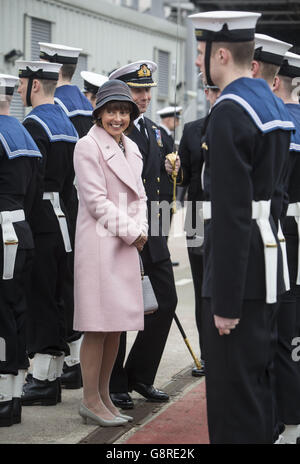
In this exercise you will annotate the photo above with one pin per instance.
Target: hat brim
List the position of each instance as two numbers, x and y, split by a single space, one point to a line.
133 84
117 98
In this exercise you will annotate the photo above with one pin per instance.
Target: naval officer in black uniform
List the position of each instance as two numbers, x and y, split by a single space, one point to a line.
287 367
169 120
19 159
79 109
191 159
143 360
245 149
55 136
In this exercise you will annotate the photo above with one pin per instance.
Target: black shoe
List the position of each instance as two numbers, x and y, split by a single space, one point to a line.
6 413
40 392
17 410
122 400
196 372
71 378
150 392
29 378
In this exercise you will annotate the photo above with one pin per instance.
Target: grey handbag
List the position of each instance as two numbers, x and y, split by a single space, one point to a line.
150 301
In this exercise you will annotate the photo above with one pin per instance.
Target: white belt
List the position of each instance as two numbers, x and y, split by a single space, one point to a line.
261 213
10 240
294 210
282 242
54 198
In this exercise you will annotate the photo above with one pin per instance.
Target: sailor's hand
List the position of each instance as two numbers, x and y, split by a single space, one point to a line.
225 325
169 167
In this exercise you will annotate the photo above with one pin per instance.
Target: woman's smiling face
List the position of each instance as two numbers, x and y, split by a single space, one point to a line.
115 119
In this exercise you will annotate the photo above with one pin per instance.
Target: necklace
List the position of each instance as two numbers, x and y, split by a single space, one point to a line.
122 146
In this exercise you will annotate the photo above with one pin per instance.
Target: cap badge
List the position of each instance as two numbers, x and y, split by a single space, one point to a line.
144 71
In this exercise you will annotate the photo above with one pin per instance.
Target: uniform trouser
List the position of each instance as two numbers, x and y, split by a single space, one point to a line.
145 355
239 376
287 368
13 310
196 263
46 332
68 287
67 301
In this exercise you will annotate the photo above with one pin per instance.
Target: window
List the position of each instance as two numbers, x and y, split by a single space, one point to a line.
40 32
163 74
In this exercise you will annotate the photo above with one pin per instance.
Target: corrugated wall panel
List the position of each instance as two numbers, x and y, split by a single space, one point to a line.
107 43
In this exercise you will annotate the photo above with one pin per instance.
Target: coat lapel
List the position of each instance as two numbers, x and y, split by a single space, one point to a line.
115 158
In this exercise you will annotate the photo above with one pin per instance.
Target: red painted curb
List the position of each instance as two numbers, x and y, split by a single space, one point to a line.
183 422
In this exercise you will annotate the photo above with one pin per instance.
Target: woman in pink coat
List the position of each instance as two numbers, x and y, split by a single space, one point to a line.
111 229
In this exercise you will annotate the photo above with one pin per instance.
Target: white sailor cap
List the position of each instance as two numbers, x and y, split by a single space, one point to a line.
92 81
7 84
225 26
137 74
270 50
38 69
290 66
170 111
59 53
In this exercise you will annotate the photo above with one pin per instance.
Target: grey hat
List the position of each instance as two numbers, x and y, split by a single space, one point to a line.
114 90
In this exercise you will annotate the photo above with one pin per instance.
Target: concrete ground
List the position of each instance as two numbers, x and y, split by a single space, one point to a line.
62 424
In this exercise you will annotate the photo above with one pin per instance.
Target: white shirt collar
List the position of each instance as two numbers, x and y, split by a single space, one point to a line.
168 131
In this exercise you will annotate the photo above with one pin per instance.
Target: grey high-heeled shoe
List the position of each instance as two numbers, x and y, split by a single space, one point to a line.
86 414
124 416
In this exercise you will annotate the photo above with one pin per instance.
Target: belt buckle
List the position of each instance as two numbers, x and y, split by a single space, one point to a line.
11 242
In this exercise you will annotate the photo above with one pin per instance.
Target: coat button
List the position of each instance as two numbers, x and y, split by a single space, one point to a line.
158 179
157 191
144 181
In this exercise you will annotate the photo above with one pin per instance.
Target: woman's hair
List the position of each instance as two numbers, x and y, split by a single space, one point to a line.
114 106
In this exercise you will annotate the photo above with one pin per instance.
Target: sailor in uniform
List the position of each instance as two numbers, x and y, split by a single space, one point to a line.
76 106
286 366
169 120
245 148
92 81
143 360
268 57
19 160
55 136
79 109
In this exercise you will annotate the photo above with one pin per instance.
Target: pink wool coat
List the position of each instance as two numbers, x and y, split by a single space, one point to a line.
112 214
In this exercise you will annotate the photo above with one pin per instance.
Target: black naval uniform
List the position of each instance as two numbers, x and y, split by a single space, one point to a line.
46 320
18 172
19 159
244 164
145 355
286 368
166 184
191 158
79 110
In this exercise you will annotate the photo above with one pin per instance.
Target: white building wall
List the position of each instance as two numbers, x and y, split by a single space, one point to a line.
110 36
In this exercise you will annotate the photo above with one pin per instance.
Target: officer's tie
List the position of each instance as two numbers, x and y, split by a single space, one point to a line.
141 123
